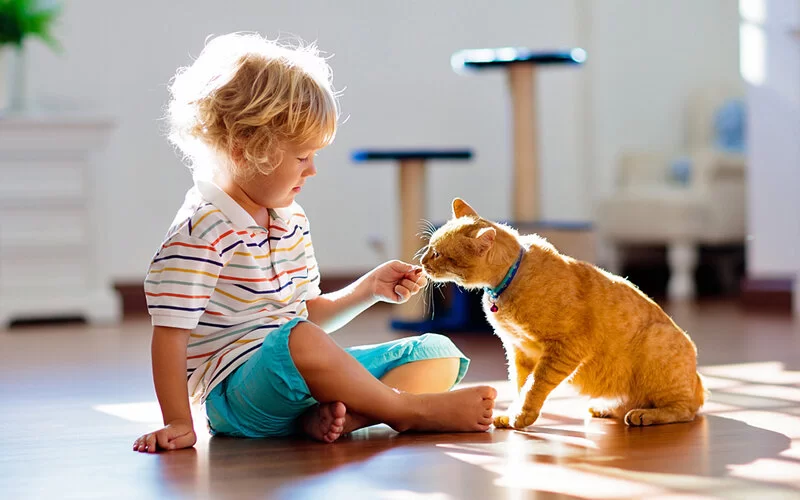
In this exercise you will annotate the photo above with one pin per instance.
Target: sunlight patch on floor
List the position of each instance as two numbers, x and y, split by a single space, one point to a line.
515 473
766 469
789 394
412 495
770 372
144 412
793 451
788 425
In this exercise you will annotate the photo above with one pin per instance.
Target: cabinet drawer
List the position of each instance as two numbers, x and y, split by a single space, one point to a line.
47 272
43 228
23 182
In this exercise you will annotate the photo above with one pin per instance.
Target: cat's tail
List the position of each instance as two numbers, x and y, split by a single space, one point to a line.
700 391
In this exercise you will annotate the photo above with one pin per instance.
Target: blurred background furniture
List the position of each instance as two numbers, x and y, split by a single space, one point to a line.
413 209
679 200
521 66
52 249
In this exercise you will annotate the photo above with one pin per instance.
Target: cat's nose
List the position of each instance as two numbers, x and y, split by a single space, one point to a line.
425 257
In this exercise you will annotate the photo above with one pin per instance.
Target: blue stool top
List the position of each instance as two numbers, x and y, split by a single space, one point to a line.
365 155
488 58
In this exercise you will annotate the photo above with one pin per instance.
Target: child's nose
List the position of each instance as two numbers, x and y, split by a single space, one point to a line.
311 169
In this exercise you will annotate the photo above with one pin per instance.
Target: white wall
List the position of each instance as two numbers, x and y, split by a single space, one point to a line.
393 59
774 157
647 57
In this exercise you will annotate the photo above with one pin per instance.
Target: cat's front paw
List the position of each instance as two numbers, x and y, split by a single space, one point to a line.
515 420
523 420
501 421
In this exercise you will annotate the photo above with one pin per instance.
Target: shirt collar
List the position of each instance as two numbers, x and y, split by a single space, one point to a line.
282 214
220 199
232 210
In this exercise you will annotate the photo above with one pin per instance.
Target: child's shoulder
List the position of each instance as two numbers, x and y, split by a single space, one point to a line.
198 219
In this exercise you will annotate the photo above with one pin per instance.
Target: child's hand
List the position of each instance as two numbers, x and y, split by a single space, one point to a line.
176 435
395 281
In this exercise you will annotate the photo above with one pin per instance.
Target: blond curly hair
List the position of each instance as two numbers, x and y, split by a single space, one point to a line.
245 98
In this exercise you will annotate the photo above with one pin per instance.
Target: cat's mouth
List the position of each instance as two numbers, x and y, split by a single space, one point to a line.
442 277
431 274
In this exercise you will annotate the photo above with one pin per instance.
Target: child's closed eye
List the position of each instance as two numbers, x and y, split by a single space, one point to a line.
306 158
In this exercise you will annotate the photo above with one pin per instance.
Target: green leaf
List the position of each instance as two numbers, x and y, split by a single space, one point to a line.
21 19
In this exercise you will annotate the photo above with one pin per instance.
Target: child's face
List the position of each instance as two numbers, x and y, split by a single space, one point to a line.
279 188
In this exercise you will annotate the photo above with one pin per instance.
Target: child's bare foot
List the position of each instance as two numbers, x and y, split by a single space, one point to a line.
327 422
464 410
324 422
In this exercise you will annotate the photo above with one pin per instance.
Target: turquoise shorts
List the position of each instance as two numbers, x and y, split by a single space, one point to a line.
265 396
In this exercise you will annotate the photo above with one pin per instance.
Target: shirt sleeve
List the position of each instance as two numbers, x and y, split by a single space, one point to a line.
181 278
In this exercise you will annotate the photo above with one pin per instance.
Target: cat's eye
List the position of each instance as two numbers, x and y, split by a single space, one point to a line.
435 254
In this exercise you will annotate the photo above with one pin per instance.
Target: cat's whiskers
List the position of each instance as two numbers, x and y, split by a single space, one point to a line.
429 228
420 253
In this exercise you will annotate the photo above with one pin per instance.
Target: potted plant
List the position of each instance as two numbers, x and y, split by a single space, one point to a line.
20 20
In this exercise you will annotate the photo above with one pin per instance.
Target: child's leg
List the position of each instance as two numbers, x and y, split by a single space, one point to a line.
333 375
328 421
424 376
425 364
268 394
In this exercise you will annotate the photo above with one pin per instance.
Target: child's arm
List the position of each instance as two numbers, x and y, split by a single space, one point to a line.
169 376
394 282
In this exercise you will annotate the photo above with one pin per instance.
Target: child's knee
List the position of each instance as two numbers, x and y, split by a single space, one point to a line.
307 344
436 341
436 346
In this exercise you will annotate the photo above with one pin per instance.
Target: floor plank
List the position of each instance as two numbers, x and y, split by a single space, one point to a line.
74 398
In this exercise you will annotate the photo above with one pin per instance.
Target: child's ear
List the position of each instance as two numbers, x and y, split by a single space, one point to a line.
485 239
462 209
237 154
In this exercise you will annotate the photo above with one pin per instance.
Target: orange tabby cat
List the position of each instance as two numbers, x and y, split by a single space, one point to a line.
560 318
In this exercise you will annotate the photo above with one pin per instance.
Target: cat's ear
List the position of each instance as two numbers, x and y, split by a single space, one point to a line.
485 239
462 209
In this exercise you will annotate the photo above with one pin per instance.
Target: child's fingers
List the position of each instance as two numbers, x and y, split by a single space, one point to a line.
403 293
184 441
163 437
141 443
414 274
150 443
411 286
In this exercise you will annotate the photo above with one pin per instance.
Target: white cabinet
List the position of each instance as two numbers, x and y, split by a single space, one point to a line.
53 246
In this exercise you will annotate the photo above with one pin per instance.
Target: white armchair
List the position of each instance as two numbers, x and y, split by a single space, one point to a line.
656 202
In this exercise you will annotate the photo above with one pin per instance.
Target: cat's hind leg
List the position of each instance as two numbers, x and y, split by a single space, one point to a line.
607 409
665 385
600 412
661 415
664 406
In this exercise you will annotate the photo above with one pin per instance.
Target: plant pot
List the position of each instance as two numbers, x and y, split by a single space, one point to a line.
13 96
5 76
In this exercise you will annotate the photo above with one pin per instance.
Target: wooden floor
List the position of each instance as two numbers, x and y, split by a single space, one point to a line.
74 398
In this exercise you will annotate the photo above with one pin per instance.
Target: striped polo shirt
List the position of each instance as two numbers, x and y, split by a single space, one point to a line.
229 280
